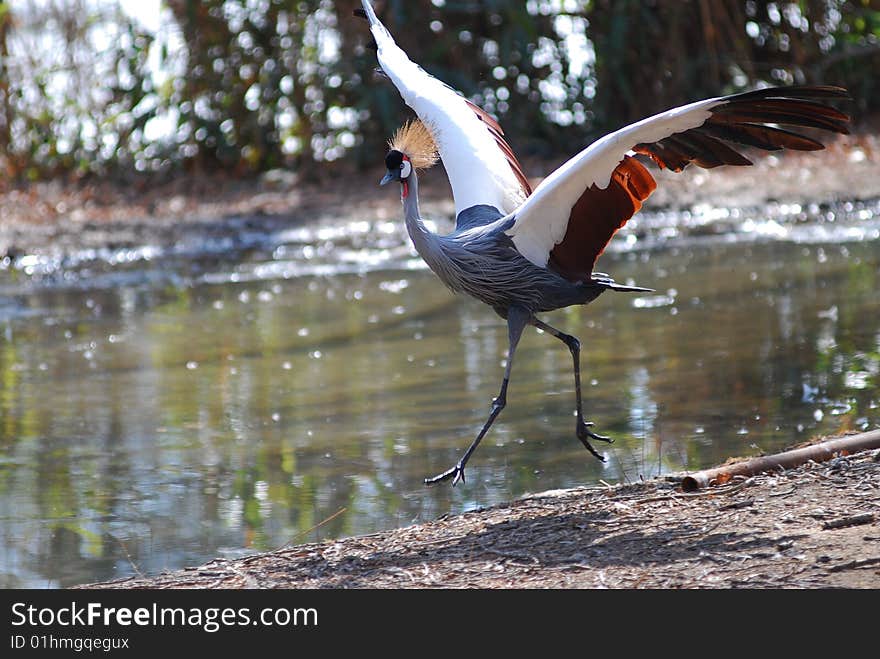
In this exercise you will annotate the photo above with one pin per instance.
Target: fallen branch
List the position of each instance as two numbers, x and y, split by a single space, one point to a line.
786 460
852 520
745 503
854 565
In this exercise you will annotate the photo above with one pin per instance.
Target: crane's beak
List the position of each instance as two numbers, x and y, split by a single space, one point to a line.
389 176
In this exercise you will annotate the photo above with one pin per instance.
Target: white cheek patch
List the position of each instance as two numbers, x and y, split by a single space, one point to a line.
405 169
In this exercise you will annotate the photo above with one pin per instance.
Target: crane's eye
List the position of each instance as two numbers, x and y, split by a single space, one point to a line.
405 169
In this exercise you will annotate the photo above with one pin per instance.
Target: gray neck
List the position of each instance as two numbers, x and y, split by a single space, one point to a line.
421 237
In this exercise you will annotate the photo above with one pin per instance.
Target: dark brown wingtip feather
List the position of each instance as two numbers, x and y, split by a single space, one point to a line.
665 155
736 114
768 138
485 117
796 91
744 118
707 151
498 134
800 106
805 107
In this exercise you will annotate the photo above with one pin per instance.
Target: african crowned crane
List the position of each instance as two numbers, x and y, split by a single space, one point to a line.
524 251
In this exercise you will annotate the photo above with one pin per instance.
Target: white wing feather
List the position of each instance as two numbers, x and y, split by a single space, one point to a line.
478 171
542 220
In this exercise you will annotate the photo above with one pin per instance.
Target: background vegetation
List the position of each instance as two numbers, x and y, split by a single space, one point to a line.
249 85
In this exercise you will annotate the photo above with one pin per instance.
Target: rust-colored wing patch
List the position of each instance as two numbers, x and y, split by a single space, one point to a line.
597 216
495 128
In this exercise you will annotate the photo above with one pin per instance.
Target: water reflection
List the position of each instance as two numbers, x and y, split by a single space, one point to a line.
154 417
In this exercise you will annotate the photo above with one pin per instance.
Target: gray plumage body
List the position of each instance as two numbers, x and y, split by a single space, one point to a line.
480 259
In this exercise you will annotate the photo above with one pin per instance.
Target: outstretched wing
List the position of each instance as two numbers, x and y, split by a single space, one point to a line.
573 213
481 166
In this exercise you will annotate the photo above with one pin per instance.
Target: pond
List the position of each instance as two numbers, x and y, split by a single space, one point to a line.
161 407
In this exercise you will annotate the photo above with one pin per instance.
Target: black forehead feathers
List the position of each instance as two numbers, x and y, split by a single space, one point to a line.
394 159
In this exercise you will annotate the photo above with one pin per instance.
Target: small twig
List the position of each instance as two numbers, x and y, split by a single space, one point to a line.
443 541
519 556
739 504
852 520
250 580
399 570
307 531
678 496
704 531
854 565
128 556
718 491
662 497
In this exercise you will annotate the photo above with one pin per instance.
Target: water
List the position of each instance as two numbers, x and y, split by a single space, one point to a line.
160 406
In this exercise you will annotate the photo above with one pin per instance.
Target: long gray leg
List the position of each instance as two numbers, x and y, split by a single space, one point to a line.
517 319
583 428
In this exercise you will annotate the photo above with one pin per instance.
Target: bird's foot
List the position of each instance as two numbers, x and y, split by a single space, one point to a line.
585 434
456 474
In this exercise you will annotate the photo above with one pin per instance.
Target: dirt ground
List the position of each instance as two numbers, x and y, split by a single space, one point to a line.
816 526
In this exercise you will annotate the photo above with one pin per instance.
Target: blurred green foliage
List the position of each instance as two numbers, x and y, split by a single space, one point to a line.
246 85
73 78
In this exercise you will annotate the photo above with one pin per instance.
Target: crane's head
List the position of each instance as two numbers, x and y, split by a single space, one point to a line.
411 148
399 167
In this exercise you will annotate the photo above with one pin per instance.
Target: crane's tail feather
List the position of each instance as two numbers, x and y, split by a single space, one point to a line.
604 280
614 286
